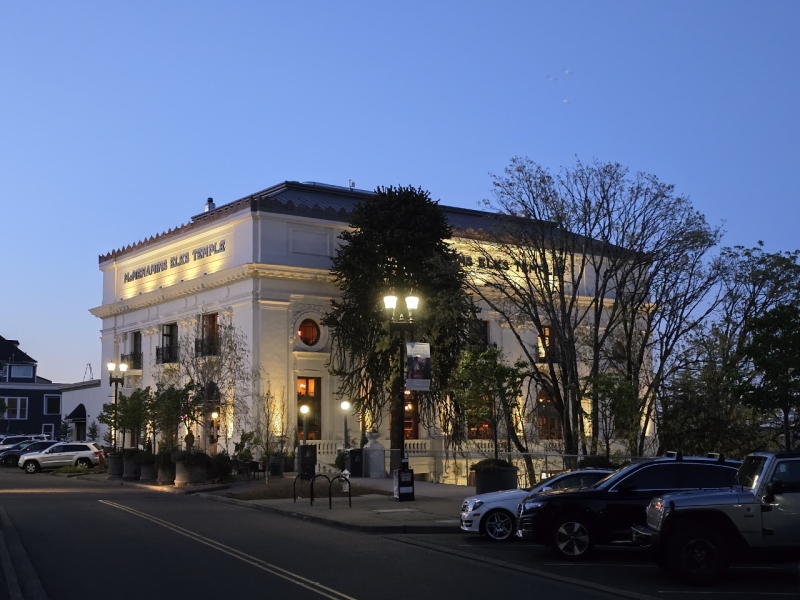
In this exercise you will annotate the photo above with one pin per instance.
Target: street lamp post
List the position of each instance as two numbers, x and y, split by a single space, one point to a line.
399 320
304 410
116 376
345 408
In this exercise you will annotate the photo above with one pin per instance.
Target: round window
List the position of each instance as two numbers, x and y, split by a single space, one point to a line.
309 332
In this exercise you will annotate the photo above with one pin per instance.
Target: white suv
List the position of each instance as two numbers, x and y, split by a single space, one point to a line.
10 440
65 454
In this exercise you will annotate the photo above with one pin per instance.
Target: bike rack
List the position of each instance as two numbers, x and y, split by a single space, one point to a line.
312 485
302 477
349 491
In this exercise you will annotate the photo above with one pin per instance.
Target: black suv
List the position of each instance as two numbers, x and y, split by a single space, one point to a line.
573 521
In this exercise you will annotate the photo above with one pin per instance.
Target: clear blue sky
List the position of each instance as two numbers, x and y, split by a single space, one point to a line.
120 119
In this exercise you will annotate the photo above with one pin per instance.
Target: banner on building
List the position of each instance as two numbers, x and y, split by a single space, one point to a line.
418 367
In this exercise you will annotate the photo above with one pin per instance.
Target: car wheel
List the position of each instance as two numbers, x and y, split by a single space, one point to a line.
31 466
84 462
572 538
698 556
498 525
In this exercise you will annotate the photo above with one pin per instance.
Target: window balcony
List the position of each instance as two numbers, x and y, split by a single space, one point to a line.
134 361
166 355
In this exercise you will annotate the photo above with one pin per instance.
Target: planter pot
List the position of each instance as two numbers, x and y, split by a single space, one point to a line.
115 465
288 464
185 475
276 466
495 480
166 476
148 472
130 470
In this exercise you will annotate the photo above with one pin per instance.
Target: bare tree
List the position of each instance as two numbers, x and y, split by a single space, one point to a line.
213 357
270 419
578 257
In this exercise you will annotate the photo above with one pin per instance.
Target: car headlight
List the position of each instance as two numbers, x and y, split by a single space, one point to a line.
477 505
533 504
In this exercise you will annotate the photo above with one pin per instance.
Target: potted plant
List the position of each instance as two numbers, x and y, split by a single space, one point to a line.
148 471
493 475
191 466
165 466
131 468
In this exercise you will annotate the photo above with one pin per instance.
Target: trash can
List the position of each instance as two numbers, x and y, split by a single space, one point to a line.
404 482
354 462
308 460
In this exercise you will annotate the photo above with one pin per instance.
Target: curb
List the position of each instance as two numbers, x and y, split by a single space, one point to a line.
377 529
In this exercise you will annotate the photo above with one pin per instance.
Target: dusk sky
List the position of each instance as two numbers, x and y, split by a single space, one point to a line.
120 119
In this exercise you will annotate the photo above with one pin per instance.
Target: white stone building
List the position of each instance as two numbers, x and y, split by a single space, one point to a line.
264 261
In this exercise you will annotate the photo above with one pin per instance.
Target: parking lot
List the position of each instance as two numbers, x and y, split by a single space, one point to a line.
621 568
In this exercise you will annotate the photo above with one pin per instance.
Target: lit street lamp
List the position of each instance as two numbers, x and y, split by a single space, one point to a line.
345 408
304 410
116 376
399 320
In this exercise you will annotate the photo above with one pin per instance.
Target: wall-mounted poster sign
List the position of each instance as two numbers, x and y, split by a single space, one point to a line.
418 367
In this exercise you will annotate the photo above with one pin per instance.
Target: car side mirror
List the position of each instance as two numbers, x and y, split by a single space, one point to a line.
547 488
775 488
627 487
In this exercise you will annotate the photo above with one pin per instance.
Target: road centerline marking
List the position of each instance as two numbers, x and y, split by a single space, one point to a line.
290 576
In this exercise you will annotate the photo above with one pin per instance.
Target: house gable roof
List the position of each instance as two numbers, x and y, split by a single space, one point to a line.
10 353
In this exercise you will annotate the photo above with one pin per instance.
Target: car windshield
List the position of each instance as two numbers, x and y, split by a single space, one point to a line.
21 445
750 472
614 477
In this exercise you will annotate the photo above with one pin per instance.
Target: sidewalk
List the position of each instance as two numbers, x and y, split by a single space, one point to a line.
435 509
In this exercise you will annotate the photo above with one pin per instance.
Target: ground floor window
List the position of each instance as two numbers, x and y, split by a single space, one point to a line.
50 430
308 394
411 417
548 418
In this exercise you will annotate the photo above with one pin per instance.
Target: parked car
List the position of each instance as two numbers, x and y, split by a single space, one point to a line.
696 535
494 514
10 457
63 454
573 521
10 440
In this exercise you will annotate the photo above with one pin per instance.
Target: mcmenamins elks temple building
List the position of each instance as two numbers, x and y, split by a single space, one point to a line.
261 263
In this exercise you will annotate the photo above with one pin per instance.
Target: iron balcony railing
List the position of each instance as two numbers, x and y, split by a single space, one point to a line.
166 355
134 360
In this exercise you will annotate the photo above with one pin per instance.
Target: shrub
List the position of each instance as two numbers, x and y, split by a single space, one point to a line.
192 458
164 459
340 461
145 457
220 467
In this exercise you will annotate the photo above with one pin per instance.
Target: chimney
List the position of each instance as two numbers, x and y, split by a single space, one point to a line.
210 205
352 184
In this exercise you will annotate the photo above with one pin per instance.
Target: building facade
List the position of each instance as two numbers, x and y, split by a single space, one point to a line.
32 403
261 264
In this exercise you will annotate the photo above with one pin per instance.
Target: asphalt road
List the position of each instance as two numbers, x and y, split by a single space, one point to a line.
623 568
87 540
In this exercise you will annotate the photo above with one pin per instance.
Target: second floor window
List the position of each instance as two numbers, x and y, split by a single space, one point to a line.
167 352
208 344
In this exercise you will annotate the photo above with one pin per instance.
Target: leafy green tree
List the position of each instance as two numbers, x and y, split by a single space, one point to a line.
618 411
132 412
398 241
169 405
489 390
92 432
774 349
700 405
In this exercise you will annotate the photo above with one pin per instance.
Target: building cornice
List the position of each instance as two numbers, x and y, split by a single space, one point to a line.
211 281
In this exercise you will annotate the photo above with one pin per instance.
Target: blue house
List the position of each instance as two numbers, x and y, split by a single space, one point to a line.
32 403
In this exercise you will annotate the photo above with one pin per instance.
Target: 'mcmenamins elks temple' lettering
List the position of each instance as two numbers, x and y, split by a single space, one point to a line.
175 261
